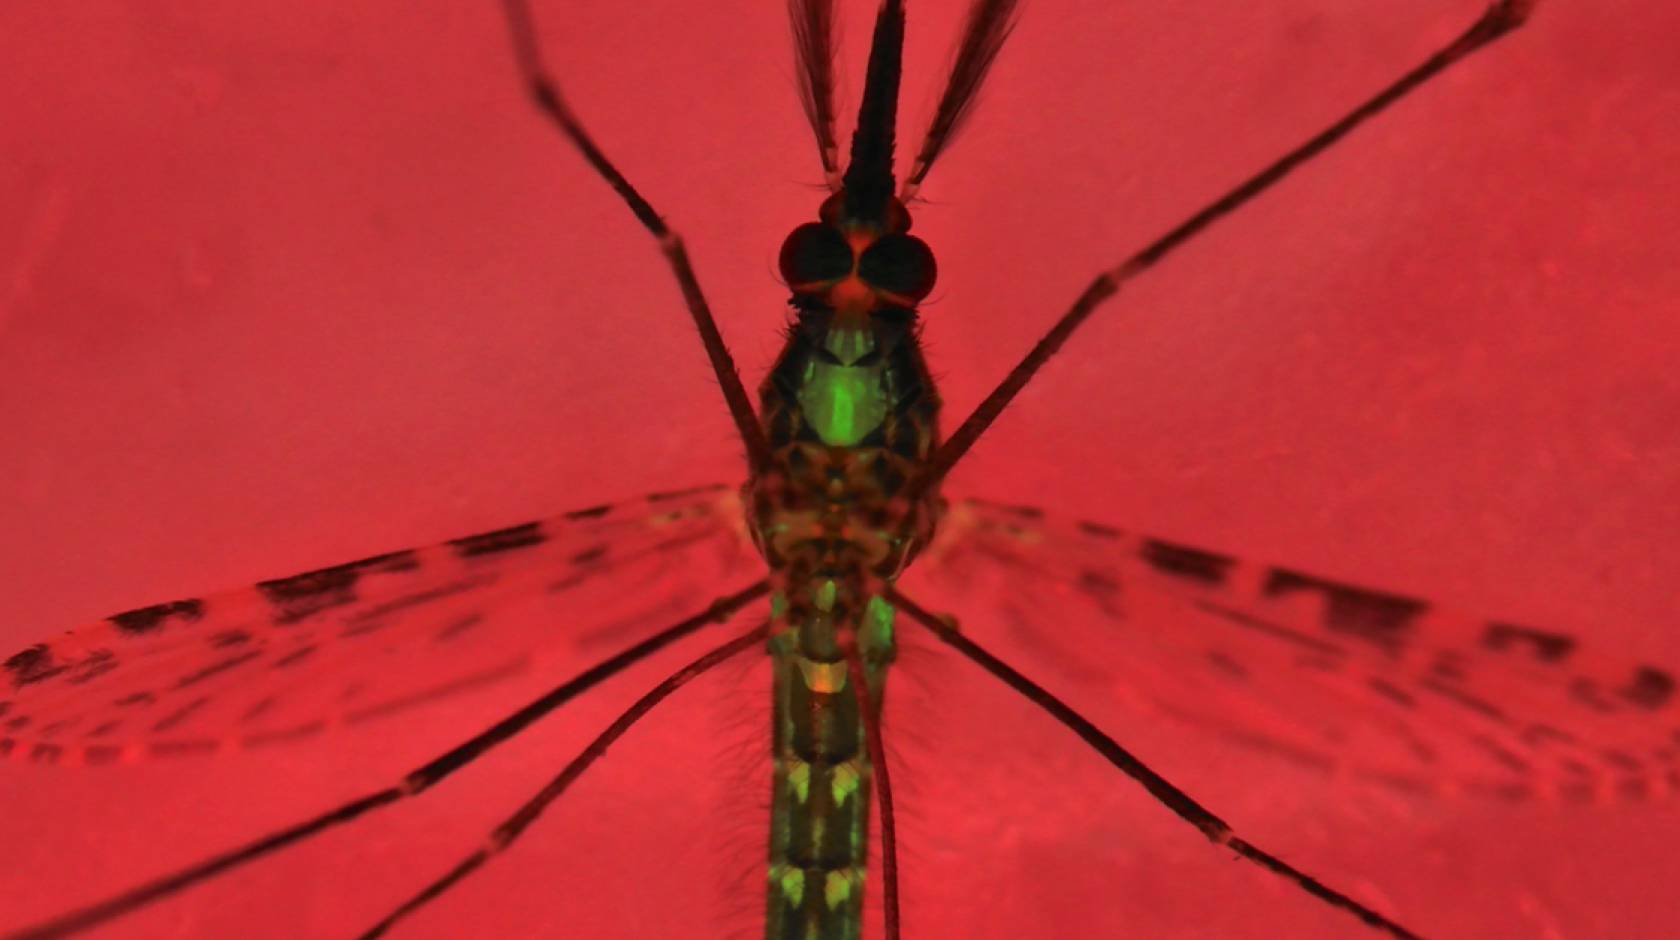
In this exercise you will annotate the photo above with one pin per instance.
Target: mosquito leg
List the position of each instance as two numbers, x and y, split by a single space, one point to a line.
1499 19
514 826
545 91
1159 787
883 786
415 783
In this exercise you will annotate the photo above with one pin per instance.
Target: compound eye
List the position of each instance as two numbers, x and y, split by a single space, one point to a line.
899 264
815 253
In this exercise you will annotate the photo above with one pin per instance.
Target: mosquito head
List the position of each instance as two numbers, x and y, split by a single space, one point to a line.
858 268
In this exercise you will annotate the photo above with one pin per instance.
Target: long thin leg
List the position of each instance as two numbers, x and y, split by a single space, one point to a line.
504 835
883 786
545 91
1498 20
1158 786
416 782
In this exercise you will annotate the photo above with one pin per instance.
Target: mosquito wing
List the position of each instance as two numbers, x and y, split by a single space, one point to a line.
1344 679
290 657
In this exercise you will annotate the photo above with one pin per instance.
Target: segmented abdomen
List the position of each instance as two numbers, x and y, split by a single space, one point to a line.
819 830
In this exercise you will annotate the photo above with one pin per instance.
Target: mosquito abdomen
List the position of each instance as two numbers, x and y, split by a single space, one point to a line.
819 828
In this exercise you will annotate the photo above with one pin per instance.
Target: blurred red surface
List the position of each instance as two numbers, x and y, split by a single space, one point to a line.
287 286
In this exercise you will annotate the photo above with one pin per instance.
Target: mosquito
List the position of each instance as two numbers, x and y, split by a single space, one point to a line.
844 466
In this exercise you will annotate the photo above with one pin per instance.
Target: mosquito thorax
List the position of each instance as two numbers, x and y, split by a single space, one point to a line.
849 409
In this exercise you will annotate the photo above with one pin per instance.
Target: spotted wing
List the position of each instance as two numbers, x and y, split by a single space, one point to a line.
288 658
1345 679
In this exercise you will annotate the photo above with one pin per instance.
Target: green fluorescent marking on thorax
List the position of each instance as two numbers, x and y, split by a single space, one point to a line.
843 403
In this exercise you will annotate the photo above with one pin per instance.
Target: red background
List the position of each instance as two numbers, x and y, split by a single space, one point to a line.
281 288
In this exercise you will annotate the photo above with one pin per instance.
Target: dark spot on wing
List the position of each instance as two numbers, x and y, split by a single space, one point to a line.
452 630
590 554
1181 561
1575 768
591 512
399 603
294 656
303 595
1271 629
1099 582
1460 697
259 708
1448 665
1383 620
32 664
92 666
1622 760
442 690
1546 647
1650 689
1502 755
100 730
229 638
46 753
1392 692
568 582
501 540
147 619
181 714
1586 692
1537 734
18 722
135 698
1099 530
216 668
1421 749
1226 665
52 728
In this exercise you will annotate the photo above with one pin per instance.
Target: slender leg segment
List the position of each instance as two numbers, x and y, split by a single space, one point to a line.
510 829
876 745
1498 20
545 92
1181 803
413 784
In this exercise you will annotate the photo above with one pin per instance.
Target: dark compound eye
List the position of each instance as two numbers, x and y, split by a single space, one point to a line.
813 253
899 264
